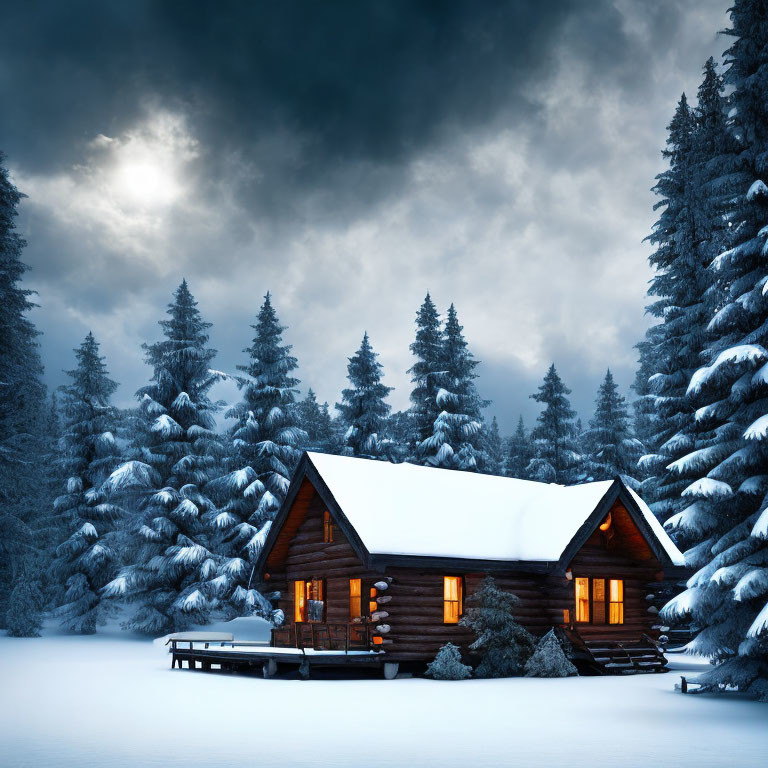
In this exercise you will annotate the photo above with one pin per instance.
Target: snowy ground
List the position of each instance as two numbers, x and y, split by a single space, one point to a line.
112 701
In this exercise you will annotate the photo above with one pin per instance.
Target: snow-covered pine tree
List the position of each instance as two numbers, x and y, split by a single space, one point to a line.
172 567
727 505
548 659
520 451
315 420
456 438
503 645
88 558
363 410
645 419
23 470
266 440
689 232
427 348
611 447
447 665
557 459
494 449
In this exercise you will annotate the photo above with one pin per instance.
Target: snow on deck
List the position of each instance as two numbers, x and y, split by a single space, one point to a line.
405 509
114 702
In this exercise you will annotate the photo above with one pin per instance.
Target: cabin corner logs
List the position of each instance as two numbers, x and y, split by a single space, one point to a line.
402 608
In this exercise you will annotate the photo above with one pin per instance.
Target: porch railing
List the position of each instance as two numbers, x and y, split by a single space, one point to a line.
324 636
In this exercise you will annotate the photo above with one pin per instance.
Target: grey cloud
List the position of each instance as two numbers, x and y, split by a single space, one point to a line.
349 157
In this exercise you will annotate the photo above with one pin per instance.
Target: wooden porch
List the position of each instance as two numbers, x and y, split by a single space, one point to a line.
325 636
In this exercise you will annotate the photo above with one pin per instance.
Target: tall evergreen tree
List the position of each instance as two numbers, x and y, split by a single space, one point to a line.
612 448
644 411
266 443
363 409
428 350
456 438
494 449
692 228
557 459
315 420
88 558
727 505
23 470
172 565
520 451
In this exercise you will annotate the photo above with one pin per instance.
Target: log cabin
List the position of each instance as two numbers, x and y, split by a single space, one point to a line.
373 555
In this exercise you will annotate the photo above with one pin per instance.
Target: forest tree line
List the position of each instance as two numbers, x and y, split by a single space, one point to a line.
160 508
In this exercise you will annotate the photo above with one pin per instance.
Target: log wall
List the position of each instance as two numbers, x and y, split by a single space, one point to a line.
415 604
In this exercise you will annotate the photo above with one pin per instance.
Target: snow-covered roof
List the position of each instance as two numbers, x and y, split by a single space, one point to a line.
405 509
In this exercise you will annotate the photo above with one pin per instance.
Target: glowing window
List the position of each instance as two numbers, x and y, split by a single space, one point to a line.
308 602
372 604
616 604
598 601
582 598
327 527
355 598
299 601
452 599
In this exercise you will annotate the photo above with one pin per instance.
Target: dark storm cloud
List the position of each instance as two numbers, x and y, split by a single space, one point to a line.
356 80
349 156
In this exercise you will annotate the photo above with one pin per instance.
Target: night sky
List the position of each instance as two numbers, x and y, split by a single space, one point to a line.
349 157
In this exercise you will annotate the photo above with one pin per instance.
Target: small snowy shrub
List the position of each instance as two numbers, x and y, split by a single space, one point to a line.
502 644
549 660
23 615
447 665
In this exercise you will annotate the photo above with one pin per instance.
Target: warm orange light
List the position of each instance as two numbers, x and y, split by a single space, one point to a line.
355 598
327 527
616 607
582 598
299 601
377 640
452 597
606 524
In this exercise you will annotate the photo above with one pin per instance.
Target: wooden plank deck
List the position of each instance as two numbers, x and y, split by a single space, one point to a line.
234 656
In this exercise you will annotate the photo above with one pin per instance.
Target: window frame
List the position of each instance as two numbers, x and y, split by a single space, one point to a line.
606 603
358 597
327 527
459 602
301 614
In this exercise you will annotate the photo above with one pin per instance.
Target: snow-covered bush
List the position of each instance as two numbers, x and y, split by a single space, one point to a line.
549 659
504 646
448 665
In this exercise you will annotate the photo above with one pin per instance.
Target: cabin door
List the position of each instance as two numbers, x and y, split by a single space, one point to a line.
309 600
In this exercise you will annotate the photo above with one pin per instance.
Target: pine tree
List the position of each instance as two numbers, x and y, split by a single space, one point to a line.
428 350
172 569
557 458
504 646
612 449
494 449
548 659
447 665
456 438
363 410
266 442
23 469
520 451
726 506
23 617
644 410
88 558
315 420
